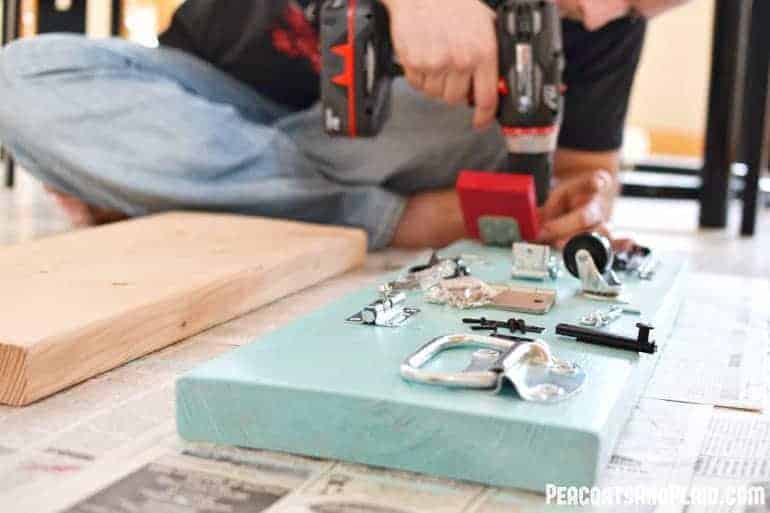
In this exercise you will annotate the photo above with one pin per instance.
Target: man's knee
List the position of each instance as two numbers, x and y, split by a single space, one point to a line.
52 55
30 70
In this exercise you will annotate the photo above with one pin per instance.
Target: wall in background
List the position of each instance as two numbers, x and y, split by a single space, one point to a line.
143 18
98 21
670 96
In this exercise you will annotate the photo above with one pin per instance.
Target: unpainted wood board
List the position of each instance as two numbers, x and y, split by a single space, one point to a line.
78 304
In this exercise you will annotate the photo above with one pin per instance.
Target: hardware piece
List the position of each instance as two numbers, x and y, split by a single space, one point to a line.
589 257
529 366
388 312
641 344
602 318
534 262
639 260
513 325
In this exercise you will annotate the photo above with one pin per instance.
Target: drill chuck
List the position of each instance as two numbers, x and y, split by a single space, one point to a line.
539 165
531 65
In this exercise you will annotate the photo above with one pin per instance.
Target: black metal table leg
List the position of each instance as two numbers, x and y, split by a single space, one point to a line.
117 17
8 166
729 43
8 32
755 110
10 171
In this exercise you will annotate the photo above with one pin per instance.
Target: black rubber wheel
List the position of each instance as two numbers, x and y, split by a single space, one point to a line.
598 246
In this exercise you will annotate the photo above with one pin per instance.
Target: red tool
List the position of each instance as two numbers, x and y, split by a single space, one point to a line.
358 69
484 194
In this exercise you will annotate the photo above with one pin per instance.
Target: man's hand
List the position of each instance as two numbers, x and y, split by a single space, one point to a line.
579 204
447 46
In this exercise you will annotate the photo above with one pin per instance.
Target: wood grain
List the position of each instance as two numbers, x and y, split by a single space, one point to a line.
81 303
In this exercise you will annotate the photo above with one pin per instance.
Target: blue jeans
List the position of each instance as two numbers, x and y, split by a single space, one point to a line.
144 130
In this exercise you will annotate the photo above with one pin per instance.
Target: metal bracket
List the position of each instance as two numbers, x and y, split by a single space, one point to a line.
388 312
533 262
594 284
529 366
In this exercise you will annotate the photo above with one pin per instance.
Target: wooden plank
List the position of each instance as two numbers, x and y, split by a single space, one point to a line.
349 402
81 303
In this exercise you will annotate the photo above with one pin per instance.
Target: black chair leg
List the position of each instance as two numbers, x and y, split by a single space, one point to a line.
9 167
10 172
755 111
117 17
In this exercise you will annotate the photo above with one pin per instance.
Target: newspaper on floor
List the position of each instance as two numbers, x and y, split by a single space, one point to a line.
205 479
202 478
117 413
658 447
109 439
732 474
733 470
361 489
717 353
656 456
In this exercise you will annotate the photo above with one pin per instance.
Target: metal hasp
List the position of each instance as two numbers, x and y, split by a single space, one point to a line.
513 325
641 344
588 257
388 312
529 366
437 269
533 262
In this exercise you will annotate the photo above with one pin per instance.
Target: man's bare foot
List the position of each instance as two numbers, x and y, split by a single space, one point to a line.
82 214
430 220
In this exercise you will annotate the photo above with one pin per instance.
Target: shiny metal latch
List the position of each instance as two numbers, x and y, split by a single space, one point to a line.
387 312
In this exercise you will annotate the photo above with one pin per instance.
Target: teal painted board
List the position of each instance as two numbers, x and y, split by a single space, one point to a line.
326 388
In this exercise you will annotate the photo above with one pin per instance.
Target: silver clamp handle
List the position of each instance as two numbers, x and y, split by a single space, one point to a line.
529 366
411 369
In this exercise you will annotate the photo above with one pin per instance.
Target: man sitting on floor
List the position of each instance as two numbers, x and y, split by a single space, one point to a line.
224 116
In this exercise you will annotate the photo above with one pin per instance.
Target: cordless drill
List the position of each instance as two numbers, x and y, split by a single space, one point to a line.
358 68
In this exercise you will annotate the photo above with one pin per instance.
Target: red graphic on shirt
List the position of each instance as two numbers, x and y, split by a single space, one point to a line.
296 37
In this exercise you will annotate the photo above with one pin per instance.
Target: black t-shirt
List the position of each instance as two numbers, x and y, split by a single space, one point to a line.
270 45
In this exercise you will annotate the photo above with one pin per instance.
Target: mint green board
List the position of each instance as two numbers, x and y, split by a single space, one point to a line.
325 388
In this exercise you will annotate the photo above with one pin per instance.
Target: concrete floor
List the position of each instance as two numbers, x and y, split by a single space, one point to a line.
673 226
27 212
